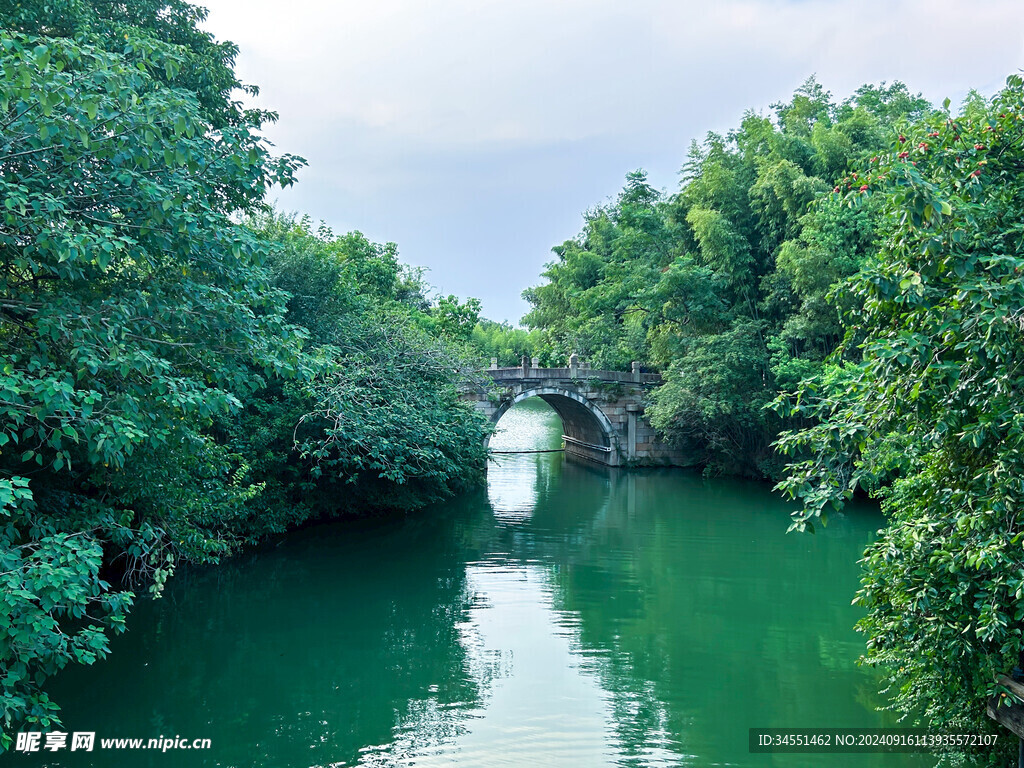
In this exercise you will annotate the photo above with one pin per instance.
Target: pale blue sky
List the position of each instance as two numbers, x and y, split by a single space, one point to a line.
474 133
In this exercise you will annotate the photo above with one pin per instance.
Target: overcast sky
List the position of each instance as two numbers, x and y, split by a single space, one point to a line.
474 133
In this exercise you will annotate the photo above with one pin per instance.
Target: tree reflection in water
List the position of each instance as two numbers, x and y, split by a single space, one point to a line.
567 615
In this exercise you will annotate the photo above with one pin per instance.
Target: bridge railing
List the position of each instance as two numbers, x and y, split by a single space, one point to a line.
579 374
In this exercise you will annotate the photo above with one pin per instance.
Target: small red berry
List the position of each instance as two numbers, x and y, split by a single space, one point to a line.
903 155
836 190
979 146
864 188
922 145
902 139
977 173
933 134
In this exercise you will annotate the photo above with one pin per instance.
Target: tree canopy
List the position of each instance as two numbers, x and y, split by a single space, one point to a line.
922 408
723 285
180 373
133 311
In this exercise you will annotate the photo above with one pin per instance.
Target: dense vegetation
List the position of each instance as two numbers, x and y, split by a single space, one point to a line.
509 345
838 287
723 285
928 415
175 383
374 419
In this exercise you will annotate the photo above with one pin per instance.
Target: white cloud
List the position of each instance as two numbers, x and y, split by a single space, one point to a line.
392 100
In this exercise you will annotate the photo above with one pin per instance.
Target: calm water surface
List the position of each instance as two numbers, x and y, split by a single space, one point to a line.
564 616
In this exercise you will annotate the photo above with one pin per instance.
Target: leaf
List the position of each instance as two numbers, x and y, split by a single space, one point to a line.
42 55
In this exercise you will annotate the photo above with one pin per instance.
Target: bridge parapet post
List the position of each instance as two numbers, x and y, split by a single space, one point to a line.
574 364
636 371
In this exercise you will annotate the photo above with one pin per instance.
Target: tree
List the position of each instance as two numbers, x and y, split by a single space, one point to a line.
722 286
132 311
594 301
175 384
928 417
375 421
508 344
457 320
205 65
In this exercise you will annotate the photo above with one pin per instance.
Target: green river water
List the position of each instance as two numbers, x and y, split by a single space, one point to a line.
566 615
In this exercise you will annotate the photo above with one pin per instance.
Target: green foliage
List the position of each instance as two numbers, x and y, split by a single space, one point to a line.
929 416
204 68
390 430
374 422
714 396
724 286
54 606
153 381
593 303
134 312
457 320
509 345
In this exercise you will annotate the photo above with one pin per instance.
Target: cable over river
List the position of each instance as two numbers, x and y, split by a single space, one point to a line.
566 615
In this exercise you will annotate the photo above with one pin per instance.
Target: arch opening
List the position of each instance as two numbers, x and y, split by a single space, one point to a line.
530 425
588 433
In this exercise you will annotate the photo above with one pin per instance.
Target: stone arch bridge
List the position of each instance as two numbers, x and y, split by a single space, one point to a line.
602 412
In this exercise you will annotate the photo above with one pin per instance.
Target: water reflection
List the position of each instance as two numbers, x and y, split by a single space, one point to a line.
568 615
313 652
541 711
516 480
697 616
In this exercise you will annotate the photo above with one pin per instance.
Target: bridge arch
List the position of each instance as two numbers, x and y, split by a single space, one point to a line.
588 430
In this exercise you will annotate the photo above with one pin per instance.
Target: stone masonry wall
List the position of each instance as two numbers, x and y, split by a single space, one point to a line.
608 404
